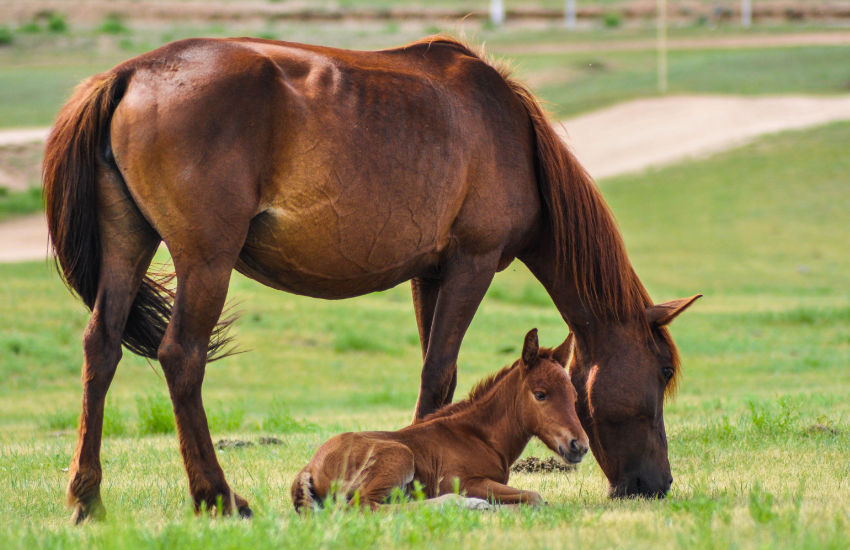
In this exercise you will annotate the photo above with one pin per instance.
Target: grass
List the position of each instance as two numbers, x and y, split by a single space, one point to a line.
15 203
576 83
759 433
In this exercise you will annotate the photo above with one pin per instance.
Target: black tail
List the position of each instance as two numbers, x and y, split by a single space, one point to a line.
72 157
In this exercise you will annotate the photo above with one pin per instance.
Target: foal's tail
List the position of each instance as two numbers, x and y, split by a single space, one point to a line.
75 151
303 494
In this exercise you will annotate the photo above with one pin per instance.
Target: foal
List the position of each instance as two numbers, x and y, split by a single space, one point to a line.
474 441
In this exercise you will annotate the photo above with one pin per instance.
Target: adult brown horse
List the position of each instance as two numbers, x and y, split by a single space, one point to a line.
472 443
334 173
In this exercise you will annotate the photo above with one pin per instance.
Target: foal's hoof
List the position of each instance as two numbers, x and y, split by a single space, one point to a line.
461 502
93 511
476 504
245 512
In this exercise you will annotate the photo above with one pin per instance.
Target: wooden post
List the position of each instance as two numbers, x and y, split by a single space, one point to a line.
662 46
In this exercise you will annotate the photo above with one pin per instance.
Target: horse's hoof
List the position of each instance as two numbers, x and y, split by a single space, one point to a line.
245 512
93 511
476 504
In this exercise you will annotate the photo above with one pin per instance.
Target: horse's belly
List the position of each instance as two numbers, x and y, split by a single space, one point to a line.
326 256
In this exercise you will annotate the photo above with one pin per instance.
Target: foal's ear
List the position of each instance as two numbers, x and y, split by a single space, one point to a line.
564 353
662 314
530 348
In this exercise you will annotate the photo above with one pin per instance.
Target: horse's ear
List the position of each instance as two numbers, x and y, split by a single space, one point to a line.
660 315
564 353
530 348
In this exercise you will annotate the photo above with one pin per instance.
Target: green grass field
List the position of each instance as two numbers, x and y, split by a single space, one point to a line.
759 433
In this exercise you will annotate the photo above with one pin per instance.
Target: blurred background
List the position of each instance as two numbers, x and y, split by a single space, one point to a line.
647 90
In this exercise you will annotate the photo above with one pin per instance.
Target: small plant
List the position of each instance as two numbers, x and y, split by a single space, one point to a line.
113 25
281 421
348 340
612 20
30 28
155 414
6 36
57 23
761 505
116 422
61 421
766 419
226 420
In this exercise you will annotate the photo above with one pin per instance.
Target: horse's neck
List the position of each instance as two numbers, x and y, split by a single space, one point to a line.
495 419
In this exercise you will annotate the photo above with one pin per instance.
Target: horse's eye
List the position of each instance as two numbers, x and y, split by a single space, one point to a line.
540 396
668 373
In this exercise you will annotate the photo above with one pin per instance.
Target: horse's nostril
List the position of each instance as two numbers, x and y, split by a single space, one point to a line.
575 447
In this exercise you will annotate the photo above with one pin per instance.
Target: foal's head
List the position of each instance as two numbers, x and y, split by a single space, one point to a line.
547 399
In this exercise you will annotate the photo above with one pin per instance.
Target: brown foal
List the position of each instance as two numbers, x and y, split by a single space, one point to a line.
469 445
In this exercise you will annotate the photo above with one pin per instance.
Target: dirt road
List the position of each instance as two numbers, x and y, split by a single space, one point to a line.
625 138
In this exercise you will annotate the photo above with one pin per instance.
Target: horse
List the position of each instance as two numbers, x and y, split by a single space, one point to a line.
467 447
333 173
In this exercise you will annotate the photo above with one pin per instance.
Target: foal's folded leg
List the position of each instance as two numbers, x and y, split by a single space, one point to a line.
391 466
499 493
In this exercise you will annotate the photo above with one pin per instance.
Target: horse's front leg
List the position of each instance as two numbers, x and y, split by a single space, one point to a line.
464 279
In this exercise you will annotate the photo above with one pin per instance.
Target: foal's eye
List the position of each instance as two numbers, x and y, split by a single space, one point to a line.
540 396
668 373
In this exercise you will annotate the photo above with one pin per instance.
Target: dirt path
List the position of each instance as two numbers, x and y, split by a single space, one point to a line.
639 134
731 42
625 138
19 136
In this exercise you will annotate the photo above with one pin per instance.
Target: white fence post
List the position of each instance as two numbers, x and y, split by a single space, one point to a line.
746 13
662 46
570 14
497 12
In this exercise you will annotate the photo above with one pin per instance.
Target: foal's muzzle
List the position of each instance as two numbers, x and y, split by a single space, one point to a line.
574 453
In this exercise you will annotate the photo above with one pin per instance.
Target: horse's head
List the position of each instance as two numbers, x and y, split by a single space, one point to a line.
621 388
547 400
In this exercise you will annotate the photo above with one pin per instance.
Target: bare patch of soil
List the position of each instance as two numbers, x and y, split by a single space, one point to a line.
20 166
232 444
534 465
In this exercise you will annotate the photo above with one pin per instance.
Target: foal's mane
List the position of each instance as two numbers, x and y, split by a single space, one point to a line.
586 238
483 388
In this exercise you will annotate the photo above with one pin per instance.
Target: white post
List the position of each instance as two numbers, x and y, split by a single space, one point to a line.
570 14
746 13
497 12
662 46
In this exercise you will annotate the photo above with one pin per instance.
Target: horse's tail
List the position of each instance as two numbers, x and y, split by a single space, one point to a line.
75 151
303 494
584 232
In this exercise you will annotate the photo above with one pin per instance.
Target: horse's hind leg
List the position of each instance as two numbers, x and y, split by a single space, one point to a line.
128 245
203 274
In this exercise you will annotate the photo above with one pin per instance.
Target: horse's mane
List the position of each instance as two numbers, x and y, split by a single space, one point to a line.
586 237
